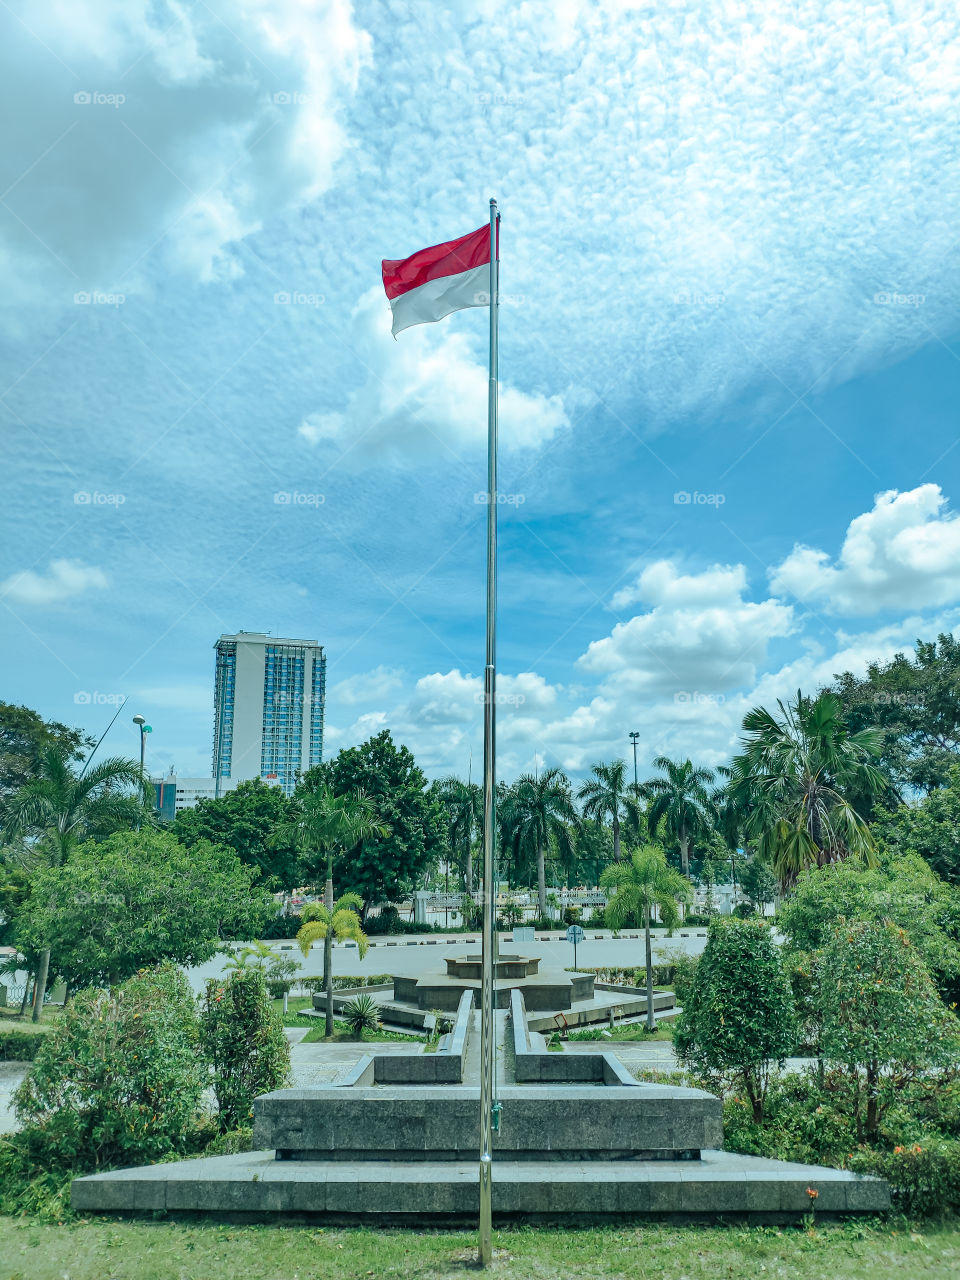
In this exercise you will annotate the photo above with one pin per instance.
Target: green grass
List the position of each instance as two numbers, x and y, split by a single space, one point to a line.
342 1032
92 1250
628 1031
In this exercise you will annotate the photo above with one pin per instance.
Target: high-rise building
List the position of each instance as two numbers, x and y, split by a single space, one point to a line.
175 792
269 700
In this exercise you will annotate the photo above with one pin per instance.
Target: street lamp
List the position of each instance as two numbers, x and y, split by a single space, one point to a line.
144 728
635 738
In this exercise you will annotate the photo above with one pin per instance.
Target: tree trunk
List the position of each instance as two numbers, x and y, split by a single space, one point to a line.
470 868
26 995
873 1102
684 854
541 881
616 838
40 990
651 1022
328 958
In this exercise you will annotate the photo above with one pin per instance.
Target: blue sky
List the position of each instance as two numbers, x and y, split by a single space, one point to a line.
729 271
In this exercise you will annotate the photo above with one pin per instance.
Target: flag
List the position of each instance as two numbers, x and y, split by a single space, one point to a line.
433 282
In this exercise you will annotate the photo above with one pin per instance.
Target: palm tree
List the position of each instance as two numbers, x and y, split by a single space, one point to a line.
463 802
603 795
327 823
59 808
794 769
534 810
341 921
682 801
641 883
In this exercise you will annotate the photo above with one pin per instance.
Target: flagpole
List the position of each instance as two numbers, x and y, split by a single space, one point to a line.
489 777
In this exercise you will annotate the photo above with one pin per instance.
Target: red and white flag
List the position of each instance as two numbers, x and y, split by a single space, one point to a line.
433 282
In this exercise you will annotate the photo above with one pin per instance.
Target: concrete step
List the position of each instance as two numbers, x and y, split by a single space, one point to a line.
255 1184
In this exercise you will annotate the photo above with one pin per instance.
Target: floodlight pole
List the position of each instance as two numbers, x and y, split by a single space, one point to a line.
485 1251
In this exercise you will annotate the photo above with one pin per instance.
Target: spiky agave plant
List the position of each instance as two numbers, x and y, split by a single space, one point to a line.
362 1013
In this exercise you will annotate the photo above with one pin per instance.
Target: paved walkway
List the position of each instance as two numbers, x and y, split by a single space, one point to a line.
11 1073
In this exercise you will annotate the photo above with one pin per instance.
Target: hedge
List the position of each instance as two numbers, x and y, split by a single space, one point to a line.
20 1046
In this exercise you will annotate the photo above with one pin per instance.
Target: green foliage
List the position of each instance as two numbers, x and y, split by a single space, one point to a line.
881 1016
24 737
593 848
535 815
680 802
342 922
119 1078
243 1038
20 1046
924 1177
799 781
738 1013
361 1014
384 868
463 805
930 828
915 701
641 883
757 883
903 890
245 820
135 899
604 795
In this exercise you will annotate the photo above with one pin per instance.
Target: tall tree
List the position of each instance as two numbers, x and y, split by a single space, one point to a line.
536 809
641 884
681 800
24 737
463 803
385 868
930 828
915 701
60 807
799 769
245 820
322 826
602 796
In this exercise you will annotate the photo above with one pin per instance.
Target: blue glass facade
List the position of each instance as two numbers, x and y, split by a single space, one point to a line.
225 692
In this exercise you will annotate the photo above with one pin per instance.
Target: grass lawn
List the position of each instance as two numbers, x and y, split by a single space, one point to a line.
294 1017
95 1250
629 1031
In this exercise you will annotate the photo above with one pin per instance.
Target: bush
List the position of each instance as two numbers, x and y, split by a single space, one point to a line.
244 1039
276 927
119 1078
924 1177
738 1013
663 975
361 1014
20 1046
231 1143
571 915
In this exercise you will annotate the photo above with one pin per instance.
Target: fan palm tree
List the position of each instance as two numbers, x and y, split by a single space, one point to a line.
681 800
602 796
463 802
640 883
57 809
323 825
534 810
794 770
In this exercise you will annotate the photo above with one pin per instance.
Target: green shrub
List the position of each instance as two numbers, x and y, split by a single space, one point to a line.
20 1046
119 1078
361 1014
231 1143
924 1177
243 1038
738 1014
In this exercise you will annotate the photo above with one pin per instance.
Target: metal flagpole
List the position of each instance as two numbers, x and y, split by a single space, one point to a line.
489 777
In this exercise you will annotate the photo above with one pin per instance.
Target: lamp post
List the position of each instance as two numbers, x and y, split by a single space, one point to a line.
144 728
635 738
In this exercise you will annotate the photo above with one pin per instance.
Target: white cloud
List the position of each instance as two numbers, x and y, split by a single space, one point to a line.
144 123
368 686
64 580
903 554
425 394
700 635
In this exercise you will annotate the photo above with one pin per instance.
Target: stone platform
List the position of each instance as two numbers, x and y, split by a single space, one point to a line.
255 1186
